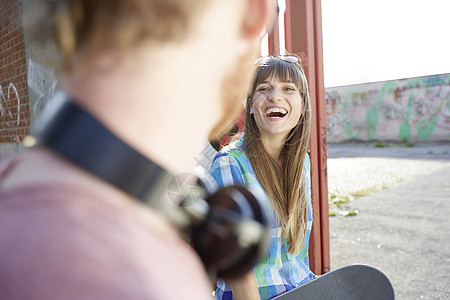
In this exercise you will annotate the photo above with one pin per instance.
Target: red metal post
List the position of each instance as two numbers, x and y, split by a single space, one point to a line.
303 35
274 40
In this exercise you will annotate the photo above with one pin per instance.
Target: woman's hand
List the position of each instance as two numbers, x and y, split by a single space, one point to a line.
245 288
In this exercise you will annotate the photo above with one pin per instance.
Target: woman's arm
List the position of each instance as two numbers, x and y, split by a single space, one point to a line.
245 288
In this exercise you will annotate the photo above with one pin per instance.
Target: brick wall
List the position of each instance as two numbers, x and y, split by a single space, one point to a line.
14 100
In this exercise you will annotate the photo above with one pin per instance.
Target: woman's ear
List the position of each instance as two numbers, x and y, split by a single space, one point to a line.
259 14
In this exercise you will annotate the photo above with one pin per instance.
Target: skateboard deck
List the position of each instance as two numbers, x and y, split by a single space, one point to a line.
353 282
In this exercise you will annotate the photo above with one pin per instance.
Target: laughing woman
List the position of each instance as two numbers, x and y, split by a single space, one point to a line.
272 156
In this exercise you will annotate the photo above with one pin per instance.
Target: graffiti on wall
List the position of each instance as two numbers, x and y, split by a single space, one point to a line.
10 110
16 114
415 109
43 83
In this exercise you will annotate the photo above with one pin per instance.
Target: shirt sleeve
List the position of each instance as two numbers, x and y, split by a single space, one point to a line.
225 171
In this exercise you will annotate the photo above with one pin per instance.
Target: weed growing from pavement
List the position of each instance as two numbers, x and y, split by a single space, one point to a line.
340 201
350 212
386 145
380 145
407 144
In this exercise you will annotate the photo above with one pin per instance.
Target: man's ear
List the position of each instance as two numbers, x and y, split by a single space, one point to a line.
259 14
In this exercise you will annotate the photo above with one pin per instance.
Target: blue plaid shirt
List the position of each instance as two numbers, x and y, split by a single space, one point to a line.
279 271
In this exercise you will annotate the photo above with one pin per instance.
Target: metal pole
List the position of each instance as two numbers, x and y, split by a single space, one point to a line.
303 35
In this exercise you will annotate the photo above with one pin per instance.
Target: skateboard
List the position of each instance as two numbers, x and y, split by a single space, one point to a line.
355 282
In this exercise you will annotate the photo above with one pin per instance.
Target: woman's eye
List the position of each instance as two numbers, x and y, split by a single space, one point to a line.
263 89
289 89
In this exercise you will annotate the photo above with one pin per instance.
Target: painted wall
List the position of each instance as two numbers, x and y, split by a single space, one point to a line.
42 65
414 109
27 79
14 108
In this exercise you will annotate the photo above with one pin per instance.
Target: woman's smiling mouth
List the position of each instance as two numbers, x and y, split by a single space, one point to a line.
276 112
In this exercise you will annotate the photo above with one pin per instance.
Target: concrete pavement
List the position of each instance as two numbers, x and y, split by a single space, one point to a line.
403 230
420 151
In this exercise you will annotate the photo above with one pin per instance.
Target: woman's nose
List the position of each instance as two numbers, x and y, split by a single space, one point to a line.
275 95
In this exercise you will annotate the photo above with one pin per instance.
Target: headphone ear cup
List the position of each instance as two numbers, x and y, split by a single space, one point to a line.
234 236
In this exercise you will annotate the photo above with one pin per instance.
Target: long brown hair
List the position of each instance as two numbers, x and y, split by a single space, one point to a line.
285 186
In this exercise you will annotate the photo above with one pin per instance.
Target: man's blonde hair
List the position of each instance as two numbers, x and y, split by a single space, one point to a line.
86 27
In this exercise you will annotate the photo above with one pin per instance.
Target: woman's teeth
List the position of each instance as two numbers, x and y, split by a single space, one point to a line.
276 112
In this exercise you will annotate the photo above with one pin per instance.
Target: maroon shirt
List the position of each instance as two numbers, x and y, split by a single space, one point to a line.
58 242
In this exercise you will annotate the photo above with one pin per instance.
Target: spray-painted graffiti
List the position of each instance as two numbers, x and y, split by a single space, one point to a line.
10 110
400 110
17 114
42 82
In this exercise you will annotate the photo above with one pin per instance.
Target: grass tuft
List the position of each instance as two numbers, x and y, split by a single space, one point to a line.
380 145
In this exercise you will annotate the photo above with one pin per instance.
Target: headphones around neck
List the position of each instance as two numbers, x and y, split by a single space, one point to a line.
228 228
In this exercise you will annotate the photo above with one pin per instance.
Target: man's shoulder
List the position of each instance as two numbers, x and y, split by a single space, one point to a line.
92 246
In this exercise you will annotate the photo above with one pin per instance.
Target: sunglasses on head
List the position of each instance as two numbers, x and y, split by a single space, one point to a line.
288 58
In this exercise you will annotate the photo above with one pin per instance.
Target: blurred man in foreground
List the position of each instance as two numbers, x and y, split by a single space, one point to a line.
162 76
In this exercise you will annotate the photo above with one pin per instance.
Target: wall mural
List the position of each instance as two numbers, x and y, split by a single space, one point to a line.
415 109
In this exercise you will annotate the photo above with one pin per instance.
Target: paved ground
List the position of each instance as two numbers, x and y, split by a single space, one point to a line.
404 230
421 151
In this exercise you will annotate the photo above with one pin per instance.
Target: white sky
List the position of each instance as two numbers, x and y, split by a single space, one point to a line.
377 40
